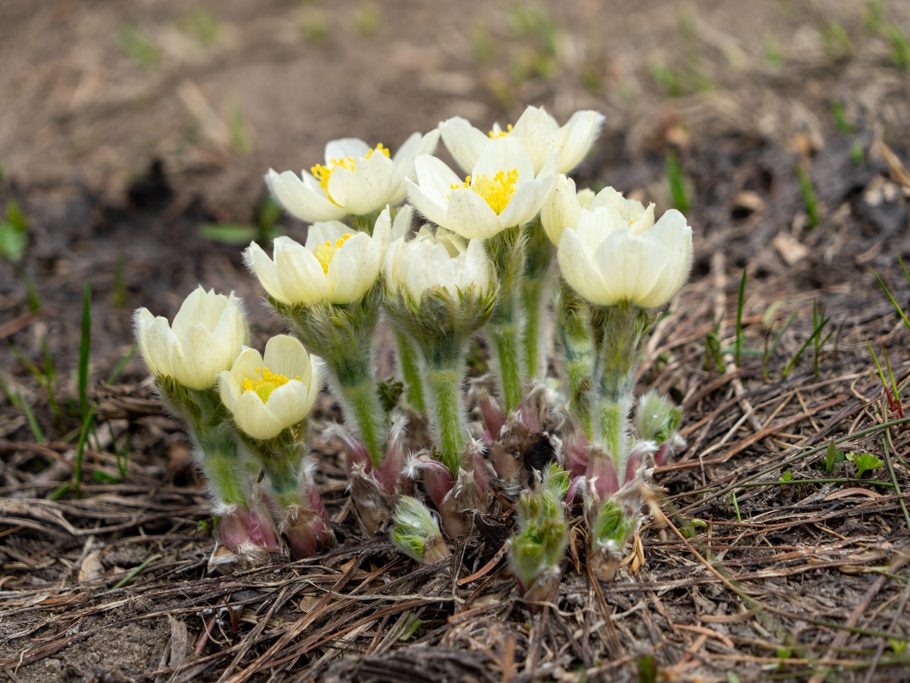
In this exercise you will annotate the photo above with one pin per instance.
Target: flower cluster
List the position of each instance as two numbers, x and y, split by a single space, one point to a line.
511 253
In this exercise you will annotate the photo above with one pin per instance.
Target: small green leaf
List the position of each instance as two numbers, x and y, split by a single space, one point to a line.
786 477
864 462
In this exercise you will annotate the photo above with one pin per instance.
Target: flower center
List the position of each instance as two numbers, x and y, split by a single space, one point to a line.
499 132
265 383
325 251
496 191
322 172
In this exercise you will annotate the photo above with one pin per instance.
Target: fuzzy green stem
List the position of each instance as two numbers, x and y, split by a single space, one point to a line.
613 418
443 383
533 298
343 334
220 459
410 371
507 354
361 399
507 255
578 352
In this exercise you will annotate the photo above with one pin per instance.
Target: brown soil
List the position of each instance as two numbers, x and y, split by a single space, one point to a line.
123 132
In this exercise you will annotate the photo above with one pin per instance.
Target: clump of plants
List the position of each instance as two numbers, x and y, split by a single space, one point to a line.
508 249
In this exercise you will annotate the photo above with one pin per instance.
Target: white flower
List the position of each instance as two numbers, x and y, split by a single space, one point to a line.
539 133
442 261
501 192
355 179
207 333
564 206
268 395
336 265
607 260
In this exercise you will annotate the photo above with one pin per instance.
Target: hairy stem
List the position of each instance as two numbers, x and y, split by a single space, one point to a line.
507 355
447 414
410 371
361 402
534 289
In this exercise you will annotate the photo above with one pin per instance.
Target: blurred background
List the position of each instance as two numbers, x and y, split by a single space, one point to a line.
218 91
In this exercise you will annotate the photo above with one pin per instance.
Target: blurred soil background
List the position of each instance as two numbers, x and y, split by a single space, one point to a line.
133 140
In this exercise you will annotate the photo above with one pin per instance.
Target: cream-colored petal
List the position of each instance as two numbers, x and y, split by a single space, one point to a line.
578 136
401 226
430 209
464 142
246 365
353 270
476 270
301 199
539 135
577 269
143 321
526 202
288 404
265 271
435 178
325 231
630 266
345 147
194 365
285 355
382 230
410 148
253 418
560 209
231 332
229 391
195 309
302 277
373 184
470 216
504 154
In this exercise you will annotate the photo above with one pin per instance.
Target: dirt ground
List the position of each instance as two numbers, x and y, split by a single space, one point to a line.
128 128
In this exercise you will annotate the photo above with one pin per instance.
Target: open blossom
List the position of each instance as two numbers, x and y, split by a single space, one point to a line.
205 337
539 133
355 179
266 395
564 206
608 259
336 265
501 192
437 262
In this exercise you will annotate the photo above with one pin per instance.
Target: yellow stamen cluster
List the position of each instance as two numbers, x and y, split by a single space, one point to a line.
322 172
265 383
325 251
496 191
500 133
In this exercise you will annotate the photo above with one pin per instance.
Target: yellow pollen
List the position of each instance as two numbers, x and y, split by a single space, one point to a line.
265 383
322 172
325 251
496 191
500 133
